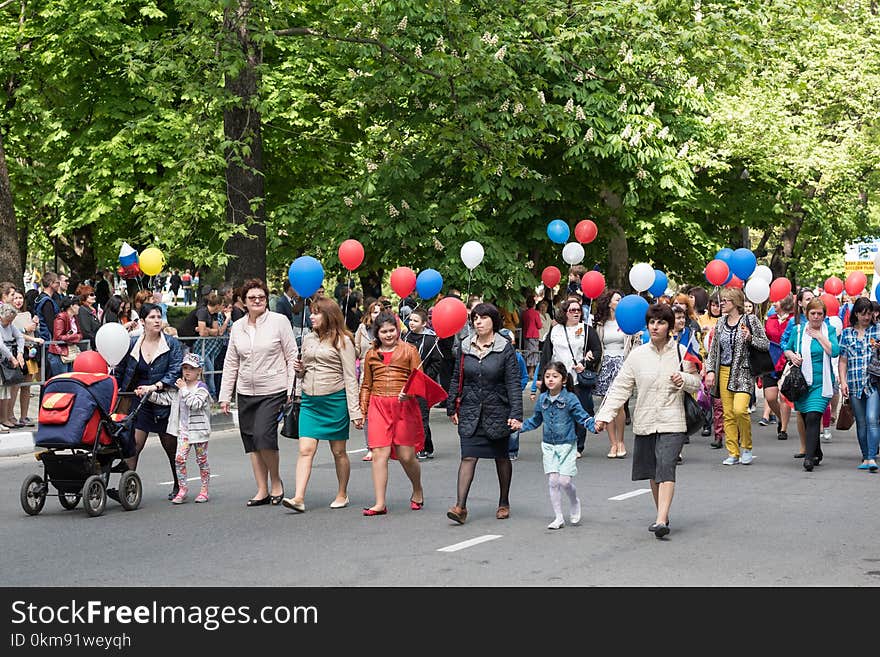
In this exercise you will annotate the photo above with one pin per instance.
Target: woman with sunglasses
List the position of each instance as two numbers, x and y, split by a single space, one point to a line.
577 346
260 366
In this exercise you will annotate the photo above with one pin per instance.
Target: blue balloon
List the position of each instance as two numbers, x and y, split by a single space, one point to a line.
743 263
558 231
429 283
725 254
630 313
306 275
661 281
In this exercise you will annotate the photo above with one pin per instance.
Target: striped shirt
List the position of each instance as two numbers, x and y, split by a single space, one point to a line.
858 354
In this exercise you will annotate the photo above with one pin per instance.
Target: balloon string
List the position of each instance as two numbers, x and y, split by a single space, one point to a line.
347 296
470 272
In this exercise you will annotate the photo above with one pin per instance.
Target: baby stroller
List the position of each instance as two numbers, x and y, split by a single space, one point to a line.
82 439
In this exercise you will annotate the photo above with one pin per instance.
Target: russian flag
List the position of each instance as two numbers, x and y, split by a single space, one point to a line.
689 339
127 255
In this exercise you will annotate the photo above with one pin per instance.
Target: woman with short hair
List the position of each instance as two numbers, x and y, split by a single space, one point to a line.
485 402
660 375
260 366
88 313
729 375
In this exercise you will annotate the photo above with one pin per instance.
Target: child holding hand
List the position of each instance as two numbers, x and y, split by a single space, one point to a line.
558 408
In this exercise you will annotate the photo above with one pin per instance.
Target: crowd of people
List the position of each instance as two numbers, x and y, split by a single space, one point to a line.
348 360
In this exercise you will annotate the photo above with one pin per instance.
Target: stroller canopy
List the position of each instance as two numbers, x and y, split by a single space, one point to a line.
71 408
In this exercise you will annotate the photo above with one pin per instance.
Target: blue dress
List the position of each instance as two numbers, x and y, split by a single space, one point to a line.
814 401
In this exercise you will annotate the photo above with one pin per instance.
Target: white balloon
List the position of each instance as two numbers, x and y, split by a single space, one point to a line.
472 254
573 253
877 262
641 276
112 342
763 271
757 290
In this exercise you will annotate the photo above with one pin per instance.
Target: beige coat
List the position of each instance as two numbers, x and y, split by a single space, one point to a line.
660 404
329 370
259 359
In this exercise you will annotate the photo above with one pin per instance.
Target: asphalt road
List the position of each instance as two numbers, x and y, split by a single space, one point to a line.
766 524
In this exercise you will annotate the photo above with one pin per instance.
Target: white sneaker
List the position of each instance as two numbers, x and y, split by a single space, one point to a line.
576 513
826 436
558 523
730 460
746 457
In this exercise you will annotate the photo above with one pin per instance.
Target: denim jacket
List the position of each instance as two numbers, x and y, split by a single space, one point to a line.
561 415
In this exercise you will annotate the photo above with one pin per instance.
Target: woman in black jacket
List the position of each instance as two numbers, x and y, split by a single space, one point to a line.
486 404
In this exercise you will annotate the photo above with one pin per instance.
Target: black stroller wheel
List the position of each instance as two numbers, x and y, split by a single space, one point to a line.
130 490
94 495
33 495
69 500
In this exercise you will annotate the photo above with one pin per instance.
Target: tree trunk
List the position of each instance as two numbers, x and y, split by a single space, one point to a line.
10 255
77 251
618 251
245 204
784 251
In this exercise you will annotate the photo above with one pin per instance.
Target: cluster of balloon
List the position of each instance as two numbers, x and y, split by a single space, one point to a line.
306 275
128 262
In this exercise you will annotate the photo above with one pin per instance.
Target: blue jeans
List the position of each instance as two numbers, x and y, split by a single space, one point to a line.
55 366
866 410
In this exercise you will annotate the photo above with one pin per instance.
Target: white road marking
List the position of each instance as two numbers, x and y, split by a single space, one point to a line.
626 496
167 483
356 451
469 543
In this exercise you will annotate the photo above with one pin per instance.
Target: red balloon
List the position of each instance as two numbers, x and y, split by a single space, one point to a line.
855 283
592 283
448 316
779 289
351 254
834 285
551 276
734 282
717 272
832 305
585 231
403 281
90 362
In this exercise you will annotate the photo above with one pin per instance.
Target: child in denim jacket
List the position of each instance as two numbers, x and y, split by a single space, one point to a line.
560 407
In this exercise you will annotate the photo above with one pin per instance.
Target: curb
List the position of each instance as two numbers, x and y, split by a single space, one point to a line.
17 443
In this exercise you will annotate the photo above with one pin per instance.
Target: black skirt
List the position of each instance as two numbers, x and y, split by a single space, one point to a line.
258 420
481 446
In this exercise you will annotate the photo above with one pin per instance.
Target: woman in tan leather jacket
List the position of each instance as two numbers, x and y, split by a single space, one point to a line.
327 382
395 422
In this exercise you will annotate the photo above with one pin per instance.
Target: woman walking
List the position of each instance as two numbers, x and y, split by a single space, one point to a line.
363 342
775 326
486 405
661 376
728 374
259 366
327 382
856 349
395 422
811 347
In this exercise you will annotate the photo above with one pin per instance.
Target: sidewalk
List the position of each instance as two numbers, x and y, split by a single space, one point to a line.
17 443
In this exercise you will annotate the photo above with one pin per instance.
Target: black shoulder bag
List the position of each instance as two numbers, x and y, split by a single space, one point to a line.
290 416
792 384
760 362
587 378
693 414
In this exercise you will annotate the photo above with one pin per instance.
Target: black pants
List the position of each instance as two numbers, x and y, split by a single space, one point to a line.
585 397
426 414
813 426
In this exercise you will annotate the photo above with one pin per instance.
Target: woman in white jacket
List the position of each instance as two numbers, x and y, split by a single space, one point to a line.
661 375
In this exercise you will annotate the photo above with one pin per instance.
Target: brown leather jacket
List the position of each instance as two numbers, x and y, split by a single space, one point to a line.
387 380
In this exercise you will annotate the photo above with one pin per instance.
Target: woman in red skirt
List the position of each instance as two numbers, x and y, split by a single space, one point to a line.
394 420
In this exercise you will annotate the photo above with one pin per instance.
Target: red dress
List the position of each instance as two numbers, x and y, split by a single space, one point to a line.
391 422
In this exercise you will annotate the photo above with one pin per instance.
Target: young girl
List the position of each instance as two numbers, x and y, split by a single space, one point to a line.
559 443
190 421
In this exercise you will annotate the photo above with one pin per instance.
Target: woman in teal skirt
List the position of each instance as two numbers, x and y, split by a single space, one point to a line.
327 382
811 347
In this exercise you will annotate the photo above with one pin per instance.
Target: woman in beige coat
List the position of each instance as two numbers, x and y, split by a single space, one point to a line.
328 385
259 366
661 375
